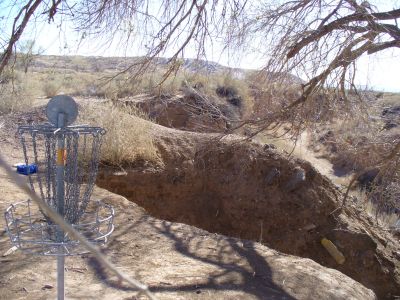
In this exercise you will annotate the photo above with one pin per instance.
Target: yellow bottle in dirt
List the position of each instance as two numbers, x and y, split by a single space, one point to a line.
333 251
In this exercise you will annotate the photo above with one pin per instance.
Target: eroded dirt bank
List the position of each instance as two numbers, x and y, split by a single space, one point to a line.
245 191
176 261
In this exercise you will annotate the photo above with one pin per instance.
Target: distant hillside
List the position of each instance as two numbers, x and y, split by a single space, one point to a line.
99 64
94 64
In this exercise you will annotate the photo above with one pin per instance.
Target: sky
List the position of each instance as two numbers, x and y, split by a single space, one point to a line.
378 72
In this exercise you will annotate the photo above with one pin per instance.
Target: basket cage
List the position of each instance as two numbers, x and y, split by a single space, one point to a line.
80 155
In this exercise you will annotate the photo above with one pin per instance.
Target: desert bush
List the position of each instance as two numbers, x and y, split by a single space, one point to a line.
270 96
198 81
236 92
357 146
81 84
14 98
9 75
155 83
72 83
128 139
51 88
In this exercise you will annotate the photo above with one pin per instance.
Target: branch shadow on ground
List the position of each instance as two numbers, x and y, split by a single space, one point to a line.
230 264
238 266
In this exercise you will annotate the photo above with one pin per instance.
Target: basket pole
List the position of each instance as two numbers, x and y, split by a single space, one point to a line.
60 205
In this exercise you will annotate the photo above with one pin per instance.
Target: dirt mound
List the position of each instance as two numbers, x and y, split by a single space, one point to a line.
176 261
241 190
189 110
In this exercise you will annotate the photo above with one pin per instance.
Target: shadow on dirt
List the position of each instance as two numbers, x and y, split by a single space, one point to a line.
235 265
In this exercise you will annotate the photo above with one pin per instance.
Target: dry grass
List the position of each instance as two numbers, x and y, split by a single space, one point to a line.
13 99
17 92
128 138
51 88
359 145
356 145
386 219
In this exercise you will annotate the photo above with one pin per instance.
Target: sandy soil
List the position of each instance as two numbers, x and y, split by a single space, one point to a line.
177 261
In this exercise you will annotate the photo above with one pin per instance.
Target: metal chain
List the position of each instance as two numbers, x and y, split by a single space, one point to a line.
81 157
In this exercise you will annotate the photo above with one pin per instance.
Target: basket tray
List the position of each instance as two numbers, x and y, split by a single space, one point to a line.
29 231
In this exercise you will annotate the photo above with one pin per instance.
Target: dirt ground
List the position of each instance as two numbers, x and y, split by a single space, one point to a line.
176 261
179 261
246 191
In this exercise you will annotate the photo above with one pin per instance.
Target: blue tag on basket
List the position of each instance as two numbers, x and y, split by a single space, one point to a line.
26 169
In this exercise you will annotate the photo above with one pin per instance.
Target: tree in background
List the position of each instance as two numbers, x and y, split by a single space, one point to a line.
318 40
26 54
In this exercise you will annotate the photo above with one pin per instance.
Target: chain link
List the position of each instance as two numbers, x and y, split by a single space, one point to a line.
81 157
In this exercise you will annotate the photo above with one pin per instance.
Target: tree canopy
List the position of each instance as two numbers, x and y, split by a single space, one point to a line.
317 40
320 40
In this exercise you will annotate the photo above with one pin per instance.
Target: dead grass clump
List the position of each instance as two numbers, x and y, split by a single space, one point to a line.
270 96
353 145
14 97
51 87
9 75
128 139
9 100
72 83
237 93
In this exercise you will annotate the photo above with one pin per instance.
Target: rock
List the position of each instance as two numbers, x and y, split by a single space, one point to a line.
367 178
269 147
297 178
47 287
389 125
391 116
391 111
309 227
271 175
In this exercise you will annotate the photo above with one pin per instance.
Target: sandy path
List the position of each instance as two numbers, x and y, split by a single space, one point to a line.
301 150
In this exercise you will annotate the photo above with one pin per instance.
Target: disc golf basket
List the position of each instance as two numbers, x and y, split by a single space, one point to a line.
66 159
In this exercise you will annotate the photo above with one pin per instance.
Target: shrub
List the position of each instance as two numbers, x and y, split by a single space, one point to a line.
128 139
14 98
51 88
236 92
9 75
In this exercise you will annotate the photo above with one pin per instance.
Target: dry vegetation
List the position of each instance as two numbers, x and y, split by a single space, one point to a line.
362 146
17 92
351 144
128 137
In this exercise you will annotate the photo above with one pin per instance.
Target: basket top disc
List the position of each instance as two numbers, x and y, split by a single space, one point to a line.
62 104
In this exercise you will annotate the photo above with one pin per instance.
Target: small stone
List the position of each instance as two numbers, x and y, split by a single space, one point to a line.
269 147
396 254
272 175
309 227
47 287
298 177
